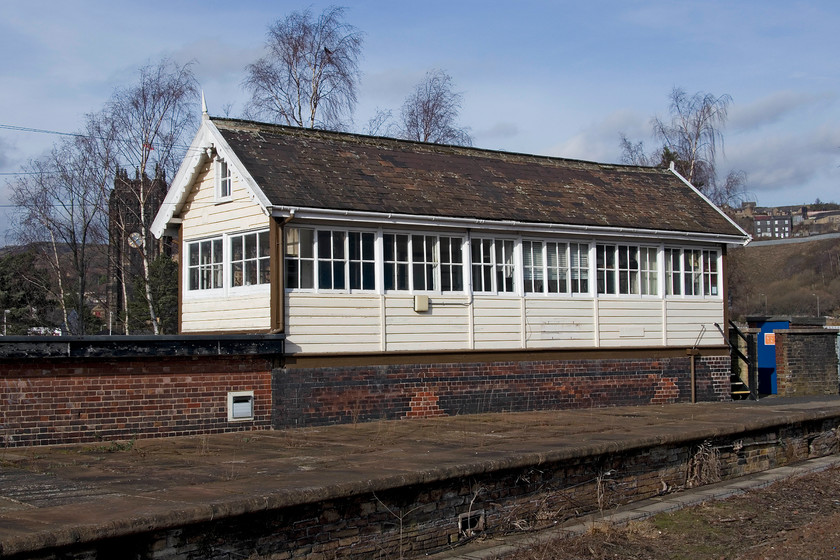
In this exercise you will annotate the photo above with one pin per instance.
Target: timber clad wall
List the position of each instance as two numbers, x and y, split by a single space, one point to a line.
200 312
326 395
333 323
806 362
86 400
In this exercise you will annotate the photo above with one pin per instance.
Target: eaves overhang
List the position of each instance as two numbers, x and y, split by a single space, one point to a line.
289 213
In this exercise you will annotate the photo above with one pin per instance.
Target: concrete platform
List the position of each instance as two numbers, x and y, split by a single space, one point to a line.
59 496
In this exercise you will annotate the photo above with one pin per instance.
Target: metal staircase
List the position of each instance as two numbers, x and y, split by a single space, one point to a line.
741 388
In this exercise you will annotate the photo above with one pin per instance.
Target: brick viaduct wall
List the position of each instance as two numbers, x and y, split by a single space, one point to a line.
88 391
806 362
107 389
91 400
311 396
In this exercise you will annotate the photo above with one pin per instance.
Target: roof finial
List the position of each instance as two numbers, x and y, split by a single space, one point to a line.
204 106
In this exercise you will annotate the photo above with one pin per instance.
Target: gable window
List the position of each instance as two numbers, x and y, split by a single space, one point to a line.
205 264
249 259
224 184
493 265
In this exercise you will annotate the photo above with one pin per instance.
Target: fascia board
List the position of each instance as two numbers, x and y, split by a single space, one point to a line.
181 185
746 236
208 136
517 227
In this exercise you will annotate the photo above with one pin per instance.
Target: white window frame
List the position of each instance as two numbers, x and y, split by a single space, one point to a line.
491 249
704 281
224 180
260 260
213 267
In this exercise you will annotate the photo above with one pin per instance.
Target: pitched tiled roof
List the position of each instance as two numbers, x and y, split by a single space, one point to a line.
328 170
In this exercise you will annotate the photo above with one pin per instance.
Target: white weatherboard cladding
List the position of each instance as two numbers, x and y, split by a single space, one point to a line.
226 314
629 322
559 323
687 319
444 327
328 323
332 323
231 310
204 217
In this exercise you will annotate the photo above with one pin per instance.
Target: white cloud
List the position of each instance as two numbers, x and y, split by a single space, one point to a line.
775 107
600 140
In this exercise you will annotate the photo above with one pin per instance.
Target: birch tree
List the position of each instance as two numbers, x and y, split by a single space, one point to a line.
430 112
60 213
151 123
309 74
691 137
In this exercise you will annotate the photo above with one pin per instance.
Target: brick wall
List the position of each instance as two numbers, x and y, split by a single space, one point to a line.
48 401
806 362
322 395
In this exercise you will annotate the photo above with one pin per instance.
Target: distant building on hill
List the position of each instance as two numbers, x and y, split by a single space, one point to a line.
779 226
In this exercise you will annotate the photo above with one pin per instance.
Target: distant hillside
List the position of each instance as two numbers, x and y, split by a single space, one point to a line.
789 277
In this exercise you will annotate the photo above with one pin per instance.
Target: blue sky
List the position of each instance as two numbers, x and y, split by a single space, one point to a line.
552 78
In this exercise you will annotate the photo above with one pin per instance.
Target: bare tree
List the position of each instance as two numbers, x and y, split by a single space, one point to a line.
694 132
151 121
308 77
430 112
691 139
59 212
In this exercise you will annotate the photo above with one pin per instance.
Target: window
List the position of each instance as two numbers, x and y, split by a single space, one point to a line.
545 267
557 264
532 266
579 254
710 273
451 264
423 263
249 259
493 265
673 272
396 261
691 272
224 185
331 260
362 260
648 273
205 264
605 263
300 258
240 405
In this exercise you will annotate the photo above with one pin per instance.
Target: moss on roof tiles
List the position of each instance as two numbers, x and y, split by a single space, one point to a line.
319 169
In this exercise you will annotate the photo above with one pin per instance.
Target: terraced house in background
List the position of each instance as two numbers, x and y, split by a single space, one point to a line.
418 279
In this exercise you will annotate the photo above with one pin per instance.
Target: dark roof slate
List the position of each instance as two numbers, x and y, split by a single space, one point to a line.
328 170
